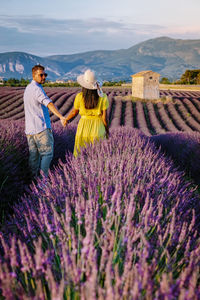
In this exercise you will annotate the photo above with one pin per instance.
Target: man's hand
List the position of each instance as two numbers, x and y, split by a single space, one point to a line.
56 112
63 121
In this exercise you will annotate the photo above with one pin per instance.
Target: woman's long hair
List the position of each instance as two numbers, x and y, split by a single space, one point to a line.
90 97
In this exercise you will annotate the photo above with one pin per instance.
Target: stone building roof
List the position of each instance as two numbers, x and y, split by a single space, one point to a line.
143 73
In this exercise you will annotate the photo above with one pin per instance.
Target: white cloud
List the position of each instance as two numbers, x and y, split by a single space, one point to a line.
45 36
39 24
183 30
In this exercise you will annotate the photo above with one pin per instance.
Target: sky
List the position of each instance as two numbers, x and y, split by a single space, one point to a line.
48 27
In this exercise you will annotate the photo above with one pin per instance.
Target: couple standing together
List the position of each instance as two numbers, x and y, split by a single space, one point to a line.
91 103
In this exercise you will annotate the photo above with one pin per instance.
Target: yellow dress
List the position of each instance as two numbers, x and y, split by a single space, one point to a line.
90 126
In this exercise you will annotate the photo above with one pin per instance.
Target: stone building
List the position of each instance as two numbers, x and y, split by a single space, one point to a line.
145 85
1 80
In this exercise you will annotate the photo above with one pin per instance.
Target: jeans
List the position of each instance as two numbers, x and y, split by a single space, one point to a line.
40 151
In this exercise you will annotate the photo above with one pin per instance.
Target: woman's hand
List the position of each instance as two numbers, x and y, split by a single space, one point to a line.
65 122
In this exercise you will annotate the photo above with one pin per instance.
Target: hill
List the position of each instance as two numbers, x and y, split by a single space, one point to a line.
167 56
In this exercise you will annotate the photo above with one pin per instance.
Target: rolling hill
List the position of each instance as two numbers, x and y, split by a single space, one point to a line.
167 56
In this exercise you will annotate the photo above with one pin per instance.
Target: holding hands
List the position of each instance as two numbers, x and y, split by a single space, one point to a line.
63 121
55 111
70 116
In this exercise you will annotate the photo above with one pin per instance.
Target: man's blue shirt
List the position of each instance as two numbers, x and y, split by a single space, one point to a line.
37 116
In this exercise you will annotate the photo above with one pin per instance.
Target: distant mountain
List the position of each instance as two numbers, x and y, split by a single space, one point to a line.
169 57
19 64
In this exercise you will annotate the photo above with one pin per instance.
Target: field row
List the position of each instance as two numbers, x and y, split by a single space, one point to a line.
180 114
119 222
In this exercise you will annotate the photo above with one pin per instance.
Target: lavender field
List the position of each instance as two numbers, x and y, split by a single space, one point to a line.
181 114
121 221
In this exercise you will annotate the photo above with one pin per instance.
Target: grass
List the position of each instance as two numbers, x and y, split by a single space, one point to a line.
164 99
184 87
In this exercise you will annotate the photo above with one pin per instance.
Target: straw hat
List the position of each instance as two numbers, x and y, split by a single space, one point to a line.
88 80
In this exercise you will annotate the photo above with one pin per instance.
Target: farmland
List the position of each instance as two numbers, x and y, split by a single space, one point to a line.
180 114
119 222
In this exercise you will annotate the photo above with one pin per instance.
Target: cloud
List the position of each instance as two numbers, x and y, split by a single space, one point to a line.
184 31
39 24
45 36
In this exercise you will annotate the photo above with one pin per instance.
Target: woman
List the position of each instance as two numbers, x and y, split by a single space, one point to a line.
91 104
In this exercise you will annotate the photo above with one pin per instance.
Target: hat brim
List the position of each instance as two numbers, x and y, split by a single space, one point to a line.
87 85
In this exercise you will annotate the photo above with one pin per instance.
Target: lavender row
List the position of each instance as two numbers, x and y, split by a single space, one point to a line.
5 105
68 101
180 94
63 98
165 118
184 149
14 172
116 116
180 123
119 222
172 119
15 109
196 103
16 106
155 122
4 95
187 116
19 115
110 108
192 109
142 124
129 118
151 119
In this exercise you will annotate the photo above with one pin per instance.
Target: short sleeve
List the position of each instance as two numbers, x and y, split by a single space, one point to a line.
42 96
77 102
105 102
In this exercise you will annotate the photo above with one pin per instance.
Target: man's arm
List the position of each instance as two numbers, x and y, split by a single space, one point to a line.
55 111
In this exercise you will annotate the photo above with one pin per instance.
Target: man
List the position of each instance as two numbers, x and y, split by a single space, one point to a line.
37 122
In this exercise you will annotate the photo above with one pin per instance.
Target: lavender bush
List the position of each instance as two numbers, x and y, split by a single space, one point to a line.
168 123
180 115
14 174
14 171
184 149
155 122
64 139
180 122
186 115
118 222
142 123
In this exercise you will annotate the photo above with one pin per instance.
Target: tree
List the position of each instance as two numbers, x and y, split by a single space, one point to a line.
16 82
190 77
165 80
198 78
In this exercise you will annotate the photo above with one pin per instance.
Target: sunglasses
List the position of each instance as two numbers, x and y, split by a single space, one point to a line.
43 74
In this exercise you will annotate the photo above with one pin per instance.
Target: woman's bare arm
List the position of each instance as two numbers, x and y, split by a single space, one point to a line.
71 115
105 122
